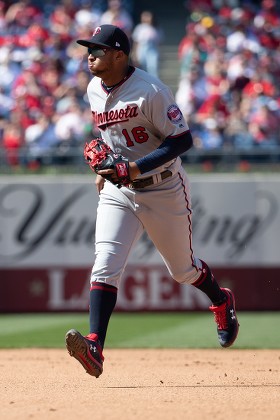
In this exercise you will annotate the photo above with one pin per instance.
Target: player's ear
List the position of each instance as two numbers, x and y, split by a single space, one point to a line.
120 55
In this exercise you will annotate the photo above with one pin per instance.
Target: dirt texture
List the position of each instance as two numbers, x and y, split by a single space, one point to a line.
180 384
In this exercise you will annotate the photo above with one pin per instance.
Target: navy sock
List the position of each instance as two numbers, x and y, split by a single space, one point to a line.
207 284
103 298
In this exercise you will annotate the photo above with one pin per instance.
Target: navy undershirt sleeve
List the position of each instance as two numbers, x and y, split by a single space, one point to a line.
170 148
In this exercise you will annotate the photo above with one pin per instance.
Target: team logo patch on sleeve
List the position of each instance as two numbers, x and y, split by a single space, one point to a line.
174 114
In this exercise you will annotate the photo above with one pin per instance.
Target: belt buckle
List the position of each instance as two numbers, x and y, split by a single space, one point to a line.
145 182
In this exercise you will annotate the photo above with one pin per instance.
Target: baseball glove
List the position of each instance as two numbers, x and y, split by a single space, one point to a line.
99 155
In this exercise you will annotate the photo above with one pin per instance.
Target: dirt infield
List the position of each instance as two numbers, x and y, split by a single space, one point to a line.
218 384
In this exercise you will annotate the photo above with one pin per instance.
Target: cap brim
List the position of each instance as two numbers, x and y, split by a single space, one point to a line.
88 43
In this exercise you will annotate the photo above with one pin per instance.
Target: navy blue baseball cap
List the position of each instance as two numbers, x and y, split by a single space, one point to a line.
108 36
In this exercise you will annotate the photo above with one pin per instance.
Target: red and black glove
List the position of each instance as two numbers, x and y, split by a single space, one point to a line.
99 155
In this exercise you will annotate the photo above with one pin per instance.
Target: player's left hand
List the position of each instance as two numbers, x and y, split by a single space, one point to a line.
112 166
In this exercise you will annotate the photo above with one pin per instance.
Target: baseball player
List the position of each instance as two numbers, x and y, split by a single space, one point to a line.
139 120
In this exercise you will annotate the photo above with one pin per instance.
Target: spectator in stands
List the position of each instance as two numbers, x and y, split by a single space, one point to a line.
117 15
3 20
9 70
189 50
87 15
147 38
264 126
41 142
13 140
6 104
236 133
20 15
191 92
61 21
69 127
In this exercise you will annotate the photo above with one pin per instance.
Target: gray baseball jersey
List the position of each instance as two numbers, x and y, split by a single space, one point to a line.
136 116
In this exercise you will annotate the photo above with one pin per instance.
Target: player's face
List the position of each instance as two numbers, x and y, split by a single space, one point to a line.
100 60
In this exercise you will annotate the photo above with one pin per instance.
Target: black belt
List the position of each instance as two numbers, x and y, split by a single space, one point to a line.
146 182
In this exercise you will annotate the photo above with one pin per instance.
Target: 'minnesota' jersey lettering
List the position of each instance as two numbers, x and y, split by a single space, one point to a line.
114 116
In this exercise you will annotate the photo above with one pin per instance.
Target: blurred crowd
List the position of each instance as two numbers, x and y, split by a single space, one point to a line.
44 110
229 73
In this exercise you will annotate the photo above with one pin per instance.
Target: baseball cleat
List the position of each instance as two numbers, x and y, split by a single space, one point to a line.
226 319
88 352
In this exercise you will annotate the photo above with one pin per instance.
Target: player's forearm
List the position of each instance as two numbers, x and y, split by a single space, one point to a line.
133 170
170 148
